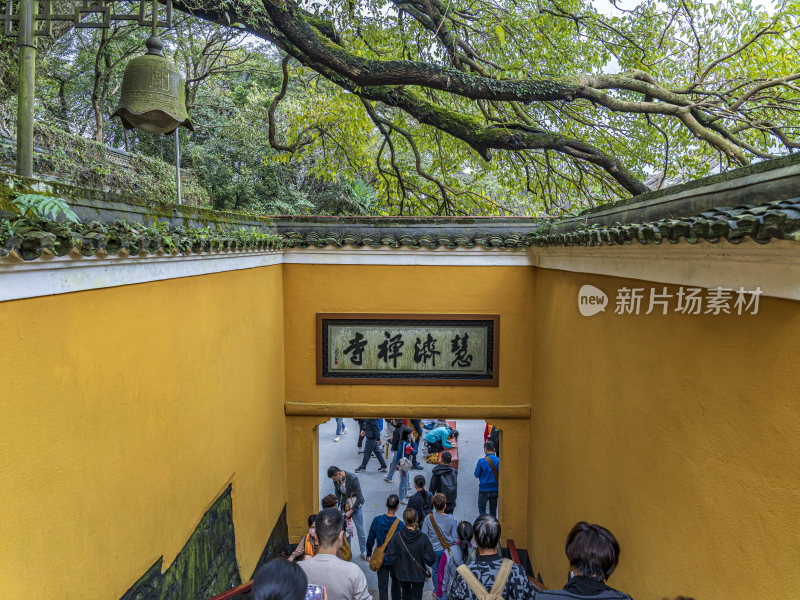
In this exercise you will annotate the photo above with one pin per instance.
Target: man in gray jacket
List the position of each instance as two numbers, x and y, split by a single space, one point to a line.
439 527
342 580
347 488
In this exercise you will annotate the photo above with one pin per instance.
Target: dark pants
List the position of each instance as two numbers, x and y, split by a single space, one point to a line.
360 429
411 590
434 447
450 509
370 448
491 498
384 574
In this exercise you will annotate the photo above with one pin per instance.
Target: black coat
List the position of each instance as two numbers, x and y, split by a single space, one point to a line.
421 502
436 483
404 544
372 428
578 588
494 437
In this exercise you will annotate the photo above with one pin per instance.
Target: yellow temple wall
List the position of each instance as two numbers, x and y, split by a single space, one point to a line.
678 433
126 412
503 290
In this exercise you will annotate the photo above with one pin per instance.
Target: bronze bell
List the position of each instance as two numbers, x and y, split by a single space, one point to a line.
152 97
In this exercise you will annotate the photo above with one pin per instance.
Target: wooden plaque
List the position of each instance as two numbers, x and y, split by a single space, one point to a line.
395 349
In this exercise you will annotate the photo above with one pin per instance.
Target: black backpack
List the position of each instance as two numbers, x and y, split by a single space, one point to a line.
449 486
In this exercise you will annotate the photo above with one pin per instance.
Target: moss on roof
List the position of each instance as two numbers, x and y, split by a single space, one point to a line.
762 223
431 240
29 239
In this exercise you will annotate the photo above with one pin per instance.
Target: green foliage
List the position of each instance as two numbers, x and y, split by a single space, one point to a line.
227 163
720 92
43 207
362 195
354 150
137 237
82 161
232 156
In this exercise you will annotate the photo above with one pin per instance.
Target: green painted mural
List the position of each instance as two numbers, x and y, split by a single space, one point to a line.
207 564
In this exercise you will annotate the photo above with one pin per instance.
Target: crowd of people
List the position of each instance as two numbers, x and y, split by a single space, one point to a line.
417 538
405 438
469 566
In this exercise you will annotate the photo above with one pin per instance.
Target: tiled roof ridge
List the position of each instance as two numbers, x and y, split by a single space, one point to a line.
316 239
28 239
762 222
734 177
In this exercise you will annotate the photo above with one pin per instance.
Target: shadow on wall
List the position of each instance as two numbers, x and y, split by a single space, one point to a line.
206 565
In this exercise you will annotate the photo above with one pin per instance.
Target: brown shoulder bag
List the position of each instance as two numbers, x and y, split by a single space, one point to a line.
438 531
376 560
494 469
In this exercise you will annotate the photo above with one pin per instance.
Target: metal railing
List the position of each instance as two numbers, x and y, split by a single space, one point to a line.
512 550
233 592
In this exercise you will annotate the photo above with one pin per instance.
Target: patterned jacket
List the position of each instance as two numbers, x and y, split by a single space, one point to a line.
518 586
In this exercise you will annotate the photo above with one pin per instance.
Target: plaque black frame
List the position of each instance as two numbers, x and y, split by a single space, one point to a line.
490 378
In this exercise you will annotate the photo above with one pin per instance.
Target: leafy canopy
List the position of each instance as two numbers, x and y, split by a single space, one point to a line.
227 163
440 106
464 106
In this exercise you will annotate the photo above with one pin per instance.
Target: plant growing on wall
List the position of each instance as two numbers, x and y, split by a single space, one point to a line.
43 207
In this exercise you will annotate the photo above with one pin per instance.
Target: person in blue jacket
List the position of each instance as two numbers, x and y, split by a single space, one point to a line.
440 439
488 480
377 536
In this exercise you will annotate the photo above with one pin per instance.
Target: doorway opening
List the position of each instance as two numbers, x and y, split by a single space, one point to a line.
341 445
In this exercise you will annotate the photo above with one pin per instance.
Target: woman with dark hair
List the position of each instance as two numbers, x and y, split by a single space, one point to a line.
421 500
345 551
593 554
401 432
412 554
456 555
307 545
279 579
